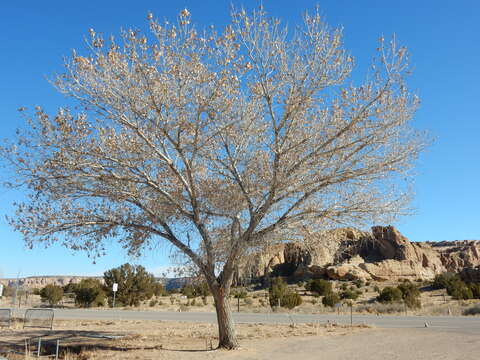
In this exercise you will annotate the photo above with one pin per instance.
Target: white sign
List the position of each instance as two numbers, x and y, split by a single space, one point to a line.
1 290
115 287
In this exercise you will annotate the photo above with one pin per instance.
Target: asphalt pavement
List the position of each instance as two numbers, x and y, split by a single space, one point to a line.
461 324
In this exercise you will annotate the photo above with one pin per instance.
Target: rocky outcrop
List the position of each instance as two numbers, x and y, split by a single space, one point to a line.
382 254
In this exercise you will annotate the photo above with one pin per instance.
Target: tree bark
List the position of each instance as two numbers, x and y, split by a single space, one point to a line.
227 338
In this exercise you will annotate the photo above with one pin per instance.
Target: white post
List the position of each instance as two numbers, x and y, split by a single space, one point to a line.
115 289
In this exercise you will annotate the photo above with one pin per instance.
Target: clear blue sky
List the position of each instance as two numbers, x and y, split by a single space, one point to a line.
442 37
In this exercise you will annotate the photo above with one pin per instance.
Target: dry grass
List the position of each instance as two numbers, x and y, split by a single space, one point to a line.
158 339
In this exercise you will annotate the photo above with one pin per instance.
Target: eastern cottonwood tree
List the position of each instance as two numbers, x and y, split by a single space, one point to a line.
216 142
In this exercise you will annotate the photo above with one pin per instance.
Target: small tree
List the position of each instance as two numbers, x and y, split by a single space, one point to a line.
135 284
218 142
281 295
410 294
89 292
443 281
389 295
349 294
330 299
319 286
52 294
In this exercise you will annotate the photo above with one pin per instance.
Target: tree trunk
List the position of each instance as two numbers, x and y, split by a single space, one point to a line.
226 329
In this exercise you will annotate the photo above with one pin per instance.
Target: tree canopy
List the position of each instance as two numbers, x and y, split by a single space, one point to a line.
216 142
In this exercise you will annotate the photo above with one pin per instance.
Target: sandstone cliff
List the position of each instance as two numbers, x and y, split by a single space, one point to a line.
381 254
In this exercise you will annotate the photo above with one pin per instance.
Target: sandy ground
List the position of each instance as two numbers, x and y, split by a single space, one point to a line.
165 340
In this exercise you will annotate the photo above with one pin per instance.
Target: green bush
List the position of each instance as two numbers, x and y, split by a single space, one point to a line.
280 293
135 284
475 287
290 300
410 294
331 299
459 290
319 287
188 290
192 291
350 294
89 292
389 295
239 293
52 294
443 281
152 303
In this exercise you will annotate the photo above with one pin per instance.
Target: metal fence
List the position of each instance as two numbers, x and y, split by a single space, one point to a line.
39 318
5 317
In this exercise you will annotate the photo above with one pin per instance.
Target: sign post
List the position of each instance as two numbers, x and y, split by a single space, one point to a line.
115 289
1 290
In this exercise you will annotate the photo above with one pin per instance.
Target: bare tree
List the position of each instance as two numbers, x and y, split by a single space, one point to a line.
216 142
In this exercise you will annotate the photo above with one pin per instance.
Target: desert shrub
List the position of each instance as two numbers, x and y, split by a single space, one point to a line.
474 310
410 294
358 283
443 281
331 299
389 295
192 291
52 294
152 303
475 287
239 293
204 300
89 292
344 286
280 294
188 290
69 288
262 302
135 284
458 290
350 294
35 291
9 291
248 301
376 289
172 300
193 302
367 283
290 300
313 301
319 287
202 289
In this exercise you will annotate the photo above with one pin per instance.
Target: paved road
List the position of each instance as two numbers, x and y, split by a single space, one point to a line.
467 325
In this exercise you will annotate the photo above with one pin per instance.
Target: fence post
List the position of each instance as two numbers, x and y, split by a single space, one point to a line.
39 346
351 314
